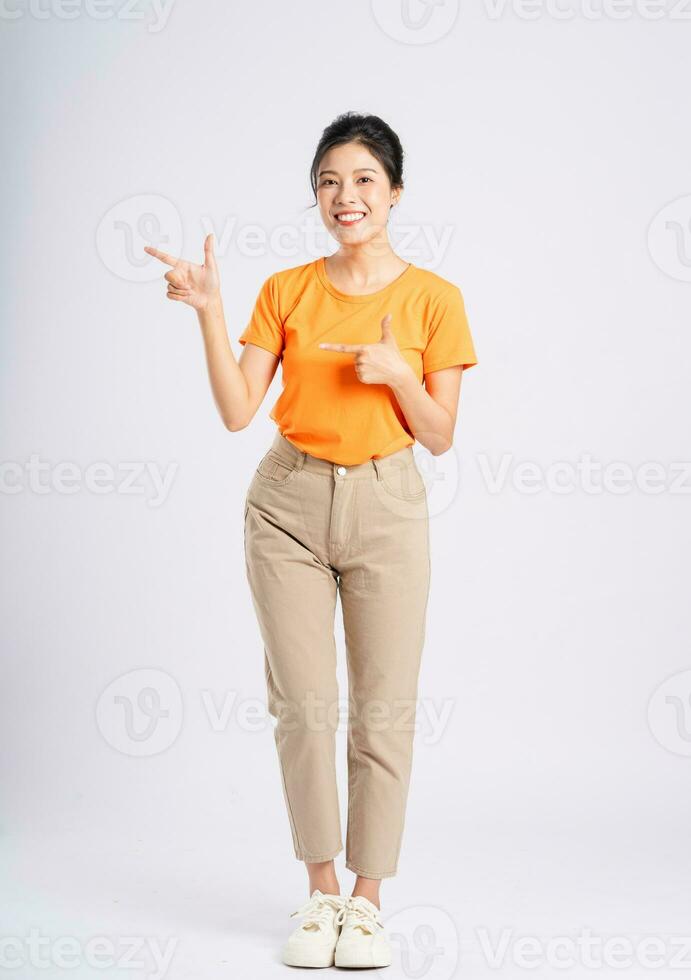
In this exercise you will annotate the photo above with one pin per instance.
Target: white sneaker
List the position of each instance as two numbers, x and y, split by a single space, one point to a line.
313 943
363 941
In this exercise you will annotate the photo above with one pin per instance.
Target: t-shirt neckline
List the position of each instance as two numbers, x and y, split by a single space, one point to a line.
320 266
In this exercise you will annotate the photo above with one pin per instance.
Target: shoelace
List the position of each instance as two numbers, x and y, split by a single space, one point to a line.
319 909
360 915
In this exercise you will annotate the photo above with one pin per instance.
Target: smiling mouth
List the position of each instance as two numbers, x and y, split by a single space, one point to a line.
350 217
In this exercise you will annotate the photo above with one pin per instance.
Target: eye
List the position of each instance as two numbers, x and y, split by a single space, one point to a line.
365 178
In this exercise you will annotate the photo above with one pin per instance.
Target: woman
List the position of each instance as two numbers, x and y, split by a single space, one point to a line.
337 505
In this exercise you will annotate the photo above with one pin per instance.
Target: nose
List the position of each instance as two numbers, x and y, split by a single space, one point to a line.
347 196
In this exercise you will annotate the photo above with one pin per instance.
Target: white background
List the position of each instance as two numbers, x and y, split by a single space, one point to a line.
556 798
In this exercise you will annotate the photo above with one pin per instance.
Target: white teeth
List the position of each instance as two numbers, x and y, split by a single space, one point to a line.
351 216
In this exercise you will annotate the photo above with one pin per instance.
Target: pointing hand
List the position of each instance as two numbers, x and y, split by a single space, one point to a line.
379 363
187 282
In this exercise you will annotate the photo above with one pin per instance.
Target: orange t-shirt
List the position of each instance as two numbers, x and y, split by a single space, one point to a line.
324 409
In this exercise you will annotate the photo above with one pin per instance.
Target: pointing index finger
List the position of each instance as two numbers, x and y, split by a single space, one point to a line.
163 256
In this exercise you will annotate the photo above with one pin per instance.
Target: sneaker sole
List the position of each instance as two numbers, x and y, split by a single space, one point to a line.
347 958
305 957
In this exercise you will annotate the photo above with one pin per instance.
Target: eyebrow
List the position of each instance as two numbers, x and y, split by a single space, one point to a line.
358 171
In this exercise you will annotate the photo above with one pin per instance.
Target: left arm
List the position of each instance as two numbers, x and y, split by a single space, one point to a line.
430 411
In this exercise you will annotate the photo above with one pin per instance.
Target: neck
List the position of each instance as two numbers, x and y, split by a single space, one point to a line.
364 264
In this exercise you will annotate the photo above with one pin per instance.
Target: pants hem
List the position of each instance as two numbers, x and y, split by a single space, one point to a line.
314 858
370 874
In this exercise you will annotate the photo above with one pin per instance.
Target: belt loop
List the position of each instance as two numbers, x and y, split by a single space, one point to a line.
299 454
377 467
290 447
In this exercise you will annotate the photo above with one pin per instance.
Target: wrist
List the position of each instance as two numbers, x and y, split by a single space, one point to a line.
214 300
213 304
404 378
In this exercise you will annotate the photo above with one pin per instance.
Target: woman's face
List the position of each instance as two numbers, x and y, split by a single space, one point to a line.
351 182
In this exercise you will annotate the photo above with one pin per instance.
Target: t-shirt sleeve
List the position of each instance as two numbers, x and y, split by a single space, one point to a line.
449 341
265 328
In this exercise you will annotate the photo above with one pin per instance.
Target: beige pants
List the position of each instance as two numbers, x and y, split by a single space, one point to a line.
314 528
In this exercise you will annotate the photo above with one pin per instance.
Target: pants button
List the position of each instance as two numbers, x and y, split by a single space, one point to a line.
341 470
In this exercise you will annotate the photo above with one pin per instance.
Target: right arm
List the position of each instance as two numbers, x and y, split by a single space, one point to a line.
238 387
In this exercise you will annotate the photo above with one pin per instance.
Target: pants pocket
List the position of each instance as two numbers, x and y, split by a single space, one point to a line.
403 480
274 469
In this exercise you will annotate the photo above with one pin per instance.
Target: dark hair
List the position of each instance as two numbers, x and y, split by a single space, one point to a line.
373 133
